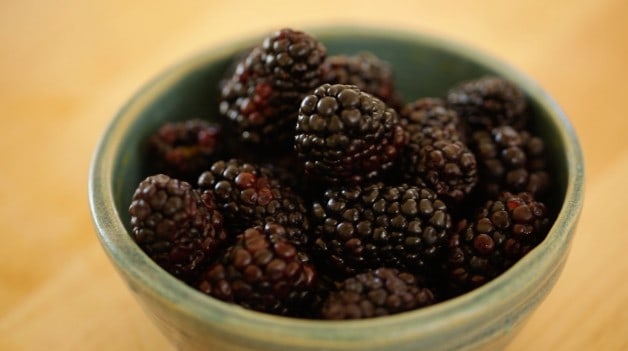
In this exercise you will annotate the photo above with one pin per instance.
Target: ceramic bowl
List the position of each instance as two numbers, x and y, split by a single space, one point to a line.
484 319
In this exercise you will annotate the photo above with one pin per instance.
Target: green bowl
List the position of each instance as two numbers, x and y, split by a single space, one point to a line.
484 319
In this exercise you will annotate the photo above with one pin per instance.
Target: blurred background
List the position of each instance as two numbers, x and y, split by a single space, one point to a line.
66 66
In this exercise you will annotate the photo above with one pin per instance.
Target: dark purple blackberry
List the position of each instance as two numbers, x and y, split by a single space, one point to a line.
262 271
248 195
504 230
435 154
376 293
446 166
488 102
432 117
179 228
345 135
183 150
358 228
509 160
262 97
366 71
294 59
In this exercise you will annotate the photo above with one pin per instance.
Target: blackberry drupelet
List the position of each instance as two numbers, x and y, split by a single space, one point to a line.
366 71
345 135
179 228
435 154
262 97
362 227
248 195
488 102
503 231
262 271
376 293
509 160
183 150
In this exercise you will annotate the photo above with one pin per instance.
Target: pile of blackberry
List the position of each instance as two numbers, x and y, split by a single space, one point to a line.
320 193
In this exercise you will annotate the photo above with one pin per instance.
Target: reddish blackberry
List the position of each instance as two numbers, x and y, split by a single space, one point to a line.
375 293
510 160
402 227
263 95
176 226
435 155
262 271
346 135
489 102
249 195
183 150
366 71
503 231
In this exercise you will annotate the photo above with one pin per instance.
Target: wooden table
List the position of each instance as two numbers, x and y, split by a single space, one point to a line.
66 67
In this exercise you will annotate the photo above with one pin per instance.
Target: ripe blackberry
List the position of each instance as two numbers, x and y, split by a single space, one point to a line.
375 293
294 58
183 150
489 102
346 135
179 228
504 230
262 97
366 71
510 160
435 155
432 117
248 195
446 166
262 271
358 228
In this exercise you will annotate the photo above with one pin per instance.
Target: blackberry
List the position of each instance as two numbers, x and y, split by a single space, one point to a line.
249 195
358 228
294 58
510 160
432 117
183 150
179 228
489 102
345 135
503 231
446 166
262 97
375 293
262 271
435 155
366 71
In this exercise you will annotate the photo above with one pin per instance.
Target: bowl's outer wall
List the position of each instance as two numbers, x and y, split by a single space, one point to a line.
423 67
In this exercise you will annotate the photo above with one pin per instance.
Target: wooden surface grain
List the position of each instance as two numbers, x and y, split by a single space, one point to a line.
67 66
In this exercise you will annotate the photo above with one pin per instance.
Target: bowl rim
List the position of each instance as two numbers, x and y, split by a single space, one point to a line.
230 319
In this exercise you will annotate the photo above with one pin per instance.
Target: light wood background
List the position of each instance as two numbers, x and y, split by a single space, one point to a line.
67 66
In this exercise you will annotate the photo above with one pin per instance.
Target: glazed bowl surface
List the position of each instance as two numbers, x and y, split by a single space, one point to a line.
484 319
